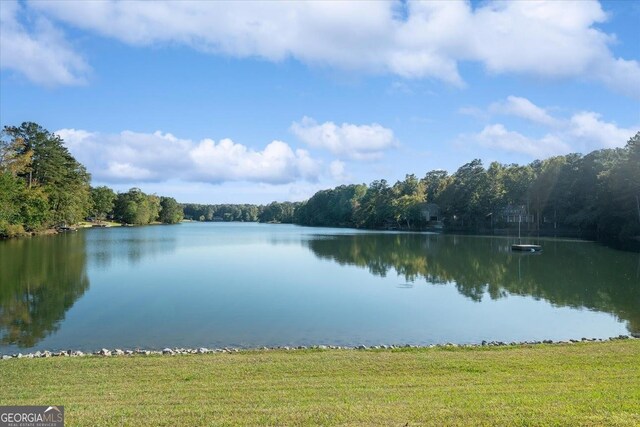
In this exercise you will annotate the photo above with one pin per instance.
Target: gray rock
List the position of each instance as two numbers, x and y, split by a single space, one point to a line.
6 357
118 352
322 347
167 351
202 350
104 352
128 352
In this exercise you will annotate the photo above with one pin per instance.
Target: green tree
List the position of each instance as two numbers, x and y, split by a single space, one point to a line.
375 207
40 158
406 200
34 208
153 206
132 207
279 212
620 219
434 183
542 189
517 181
11 191
103 201
171 212
465 198
15 156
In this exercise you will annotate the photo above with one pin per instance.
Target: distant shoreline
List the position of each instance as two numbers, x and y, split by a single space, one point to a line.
631 244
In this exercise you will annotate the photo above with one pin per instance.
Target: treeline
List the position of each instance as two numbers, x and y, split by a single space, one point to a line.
597 195
134 207
42 186
275 212
594 195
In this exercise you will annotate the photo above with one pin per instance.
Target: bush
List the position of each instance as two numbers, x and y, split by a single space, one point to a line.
10 230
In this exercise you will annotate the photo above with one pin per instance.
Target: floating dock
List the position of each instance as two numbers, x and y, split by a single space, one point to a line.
526 248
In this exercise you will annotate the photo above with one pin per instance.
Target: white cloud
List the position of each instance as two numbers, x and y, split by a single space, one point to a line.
359 142
523 108
591 132
584 131
549 39
155 157
41 54
337 170
498 137
277 163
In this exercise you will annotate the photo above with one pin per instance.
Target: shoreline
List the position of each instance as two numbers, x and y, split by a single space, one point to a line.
174 351
631 244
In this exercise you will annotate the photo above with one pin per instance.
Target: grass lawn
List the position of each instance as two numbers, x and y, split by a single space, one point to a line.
591 384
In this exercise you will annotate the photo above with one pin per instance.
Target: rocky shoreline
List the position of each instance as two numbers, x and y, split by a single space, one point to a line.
203 350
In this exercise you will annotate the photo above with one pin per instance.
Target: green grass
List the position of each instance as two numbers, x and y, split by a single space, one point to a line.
85 224
590 384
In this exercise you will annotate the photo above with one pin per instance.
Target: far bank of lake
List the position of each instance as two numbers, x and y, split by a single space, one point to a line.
254 285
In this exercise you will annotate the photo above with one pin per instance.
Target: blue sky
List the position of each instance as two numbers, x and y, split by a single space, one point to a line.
244 102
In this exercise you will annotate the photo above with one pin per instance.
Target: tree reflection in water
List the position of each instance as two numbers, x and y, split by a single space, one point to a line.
567 273
40 279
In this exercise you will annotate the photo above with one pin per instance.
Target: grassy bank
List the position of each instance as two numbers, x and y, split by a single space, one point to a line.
87 224
579 384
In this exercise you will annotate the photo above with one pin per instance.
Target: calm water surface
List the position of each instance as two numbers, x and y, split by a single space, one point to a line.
251 285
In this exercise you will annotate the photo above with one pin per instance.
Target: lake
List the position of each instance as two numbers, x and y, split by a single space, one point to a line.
253 285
